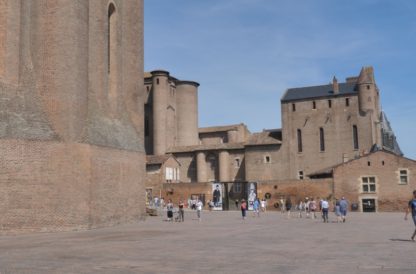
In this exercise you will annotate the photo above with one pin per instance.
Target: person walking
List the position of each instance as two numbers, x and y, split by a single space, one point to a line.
412 208
282 205
300 208
199 209
169 209
181 211
263 205
312 208
343 205
288 206
243 208
325 209
256 208
338 211
236 203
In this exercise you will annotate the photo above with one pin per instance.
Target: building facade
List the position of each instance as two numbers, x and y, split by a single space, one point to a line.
322 126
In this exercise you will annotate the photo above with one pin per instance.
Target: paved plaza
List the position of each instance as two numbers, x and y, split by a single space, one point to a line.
221 243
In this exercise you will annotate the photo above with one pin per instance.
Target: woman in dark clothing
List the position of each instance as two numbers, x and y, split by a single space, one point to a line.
288 205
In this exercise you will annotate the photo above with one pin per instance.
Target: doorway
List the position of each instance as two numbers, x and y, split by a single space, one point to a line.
369 205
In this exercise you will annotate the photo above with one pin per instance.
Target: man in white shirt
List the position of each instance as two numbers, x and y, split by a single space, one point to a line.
199 209
325 209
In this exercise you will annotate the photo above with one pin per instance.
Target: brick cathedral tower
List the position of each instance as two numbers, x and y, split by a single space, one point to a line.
71 104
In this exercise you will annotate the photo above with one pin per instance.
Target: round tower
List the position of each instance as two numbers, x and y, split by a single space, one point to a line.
367 91
60 60
160 83
187 113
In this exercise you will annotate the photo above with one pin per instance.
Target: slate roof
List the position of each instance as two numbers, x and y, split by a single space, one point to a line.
297 94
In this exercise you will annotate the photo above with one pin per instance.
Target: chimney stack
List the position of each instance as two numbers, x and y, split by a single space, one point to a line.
335 86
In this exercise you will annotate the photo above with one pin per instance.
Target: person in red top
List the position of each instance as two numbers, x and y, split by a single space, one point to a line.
243 208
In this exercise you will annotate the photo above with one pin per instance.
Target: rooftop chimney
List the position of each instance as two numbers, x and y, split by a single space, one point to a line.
335 86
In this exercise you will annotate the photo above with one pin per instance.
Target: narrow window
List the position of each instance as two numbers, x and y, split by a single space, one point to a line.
293 107
300 175
322 139
157 81
111 36
313 105
368 86
347 102
300 147
330 103
237 162
368 163
148 88
112 56
355 136
403 177
267 159
382 163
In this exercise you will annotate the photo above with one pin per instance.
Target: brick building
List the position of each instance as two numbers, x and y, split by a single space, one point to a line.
322 126
71 114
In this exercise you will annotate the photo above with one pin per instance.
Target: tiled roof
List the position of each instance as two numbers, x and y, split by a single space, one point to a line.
157 159
262 138
218 128
295 94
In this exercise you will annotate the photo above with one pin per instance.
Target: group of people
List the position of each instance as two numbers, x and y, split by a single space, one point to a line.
198 205
309 207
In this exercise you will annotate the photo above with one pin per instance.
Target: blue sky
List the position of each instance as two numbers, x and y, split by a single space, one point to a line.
245 53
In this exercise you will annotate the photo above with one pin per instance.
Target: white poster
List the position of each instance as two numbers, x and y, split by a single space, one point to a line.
252 195
217 191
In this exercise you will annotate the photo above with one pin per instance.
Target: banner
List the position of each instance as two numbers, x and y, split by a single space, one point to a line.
217 195
252 194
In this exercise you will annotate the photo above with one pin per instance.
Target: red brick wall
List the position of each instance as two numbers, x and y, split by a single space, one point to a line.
50 186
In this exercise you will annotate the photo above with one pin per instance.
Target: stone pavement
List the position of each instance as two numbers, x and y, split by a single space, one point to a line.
221 243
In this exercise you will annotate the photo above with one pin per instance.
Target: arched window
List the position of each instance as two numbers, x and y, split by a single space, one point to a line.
112 52
112 40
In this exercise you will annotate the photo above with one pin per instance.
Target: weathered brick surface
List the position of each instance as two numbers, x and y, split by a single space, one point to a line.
55 186
71 151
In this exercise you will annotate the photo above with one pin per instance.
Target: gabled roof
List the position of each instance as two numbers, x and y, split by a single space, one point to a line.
159 159
330 169
304 93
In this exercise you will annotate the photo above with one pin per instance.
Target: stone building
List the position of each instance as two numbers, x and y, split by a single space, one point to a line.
322 126
71 114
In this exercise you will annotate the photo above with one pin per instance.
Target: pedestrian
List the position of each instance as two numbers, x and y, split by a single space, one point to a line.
243 208
263 204
338 211
343 205
300 208
412 207
210 205
169 208
282 205
325 209
236 204
288 206
312 208
162 202
307 209
198 209
256 208
181 211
